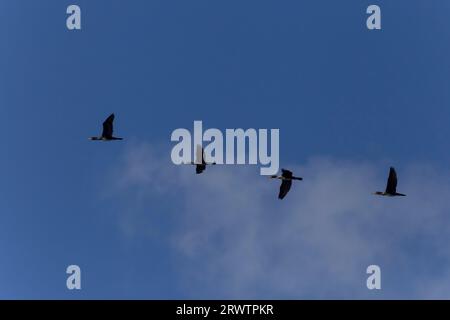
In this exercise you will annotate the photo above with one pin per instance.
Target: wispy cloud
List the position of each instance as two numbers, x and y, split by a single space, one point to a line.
235 239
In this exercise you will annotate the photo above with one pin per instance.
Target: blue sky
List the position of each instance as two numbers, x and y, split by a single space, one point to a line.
349 102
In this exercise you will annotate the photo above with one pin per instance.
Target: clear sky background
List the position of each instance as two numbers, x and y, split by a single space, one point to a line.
349 103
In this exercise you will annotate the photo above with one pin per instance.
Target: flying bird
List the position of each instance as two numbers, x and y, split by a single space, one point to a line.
200 163
286 182
391 187
107 134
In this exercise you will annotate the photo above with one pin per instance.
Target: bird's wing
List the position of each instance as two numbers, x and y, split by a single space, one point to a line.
284 188
391 186
286 173
108 126
199 154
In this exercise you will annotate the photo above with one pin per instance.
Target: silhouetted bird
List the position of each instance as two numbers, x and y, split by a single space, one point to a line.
107 134
391 187
200 163
286 182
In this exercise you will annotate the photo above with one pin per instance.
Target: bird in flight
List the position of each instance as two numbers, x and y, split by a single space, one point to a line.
107 134
200 163
391 187
286 182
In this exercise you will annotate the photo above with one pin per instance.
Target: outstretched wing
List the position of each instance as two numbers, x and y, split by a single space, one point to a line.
108 127
199 155
284 188
391 187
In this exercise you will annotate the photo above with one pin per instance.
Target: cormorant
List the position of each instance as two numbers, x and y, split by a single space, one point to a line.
391 187
200 163
107 134
286 177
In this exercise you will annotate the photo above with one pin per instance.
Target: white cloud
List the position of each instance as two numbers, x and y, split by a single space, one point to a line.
235 239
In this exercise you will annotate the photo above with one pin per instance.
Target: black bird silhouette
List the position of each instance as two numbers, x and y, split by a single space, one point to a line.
200 163
286 182
391 187
107 134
